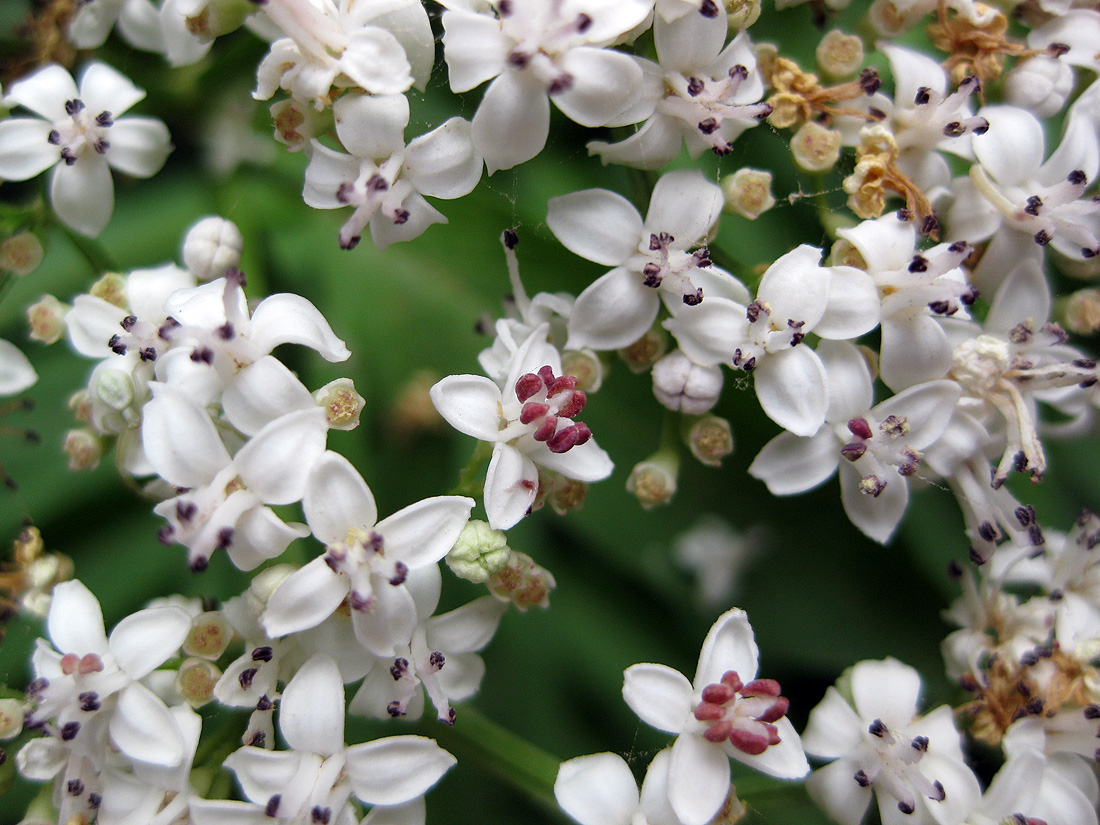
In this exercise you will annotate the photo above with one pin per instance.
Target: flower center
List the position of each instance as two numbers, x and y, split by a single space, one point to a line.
705 103
80 132
742 713
765 336
670 269
891 764
547 402
889 450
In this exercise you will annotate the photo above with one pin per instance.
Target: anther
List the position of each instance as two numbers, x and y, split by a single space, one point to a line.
869 81
263 654
246 677
695 87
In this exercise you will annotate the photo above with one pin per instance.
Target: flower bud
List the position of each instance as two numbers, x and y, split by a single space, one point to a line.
115 388
85 449
264 584
644 353
341 402
11 718
212 247
1081 312
21 253
682 385
195 681
742 13
1040 84
479 553
214 18
748 192
46 318
846 253
209 636
710 439
112 289
815 148
653 481
839 54
584 365
522 582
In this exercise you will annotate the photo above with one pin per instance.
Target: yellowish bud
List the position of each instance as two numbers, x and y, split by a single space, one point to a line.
21 253
341 402
839 54
1082 312
646 351
710 439
748 192
112 289
209 636
46 318
815 148
195 681
85 449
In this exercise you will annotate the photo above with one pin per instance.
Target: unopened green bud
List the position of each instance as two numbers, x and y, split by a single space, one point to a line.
115 388
742 13
1081 312
584 365
479 553
195 681
341 402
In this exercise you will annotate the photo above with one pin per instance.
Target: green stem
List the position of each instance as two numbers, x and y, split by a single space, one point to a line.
476 738
470 482
94 253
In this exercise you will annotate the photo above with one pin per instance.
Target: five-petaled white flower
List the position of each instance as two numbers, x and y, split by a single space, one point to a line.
726 712
82 137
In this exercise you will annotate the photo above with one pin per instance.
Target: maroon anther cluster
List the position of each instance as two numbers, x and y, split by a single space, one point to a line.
742 713
546 400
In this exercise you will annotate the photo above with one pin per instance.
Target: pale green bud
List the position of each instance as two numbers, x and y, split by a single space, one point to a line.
479 553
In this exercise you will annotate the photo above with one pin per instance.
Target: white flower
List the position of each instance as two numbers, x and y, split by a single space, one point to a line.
726 712
881 445
92 679
82 137
383 179
914 765
383 48
313 781
700 94
538 51
796 296
364 562
529 424
224 499
651 258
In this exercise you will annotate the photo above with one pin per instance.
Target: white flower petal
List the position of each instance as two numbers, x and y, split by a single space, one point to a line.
286 318
877 516
885 689
785 760
842 798
685 205
596 224
790 386
512 122
396 769
139 146
375 60
423 533
698 779
145 640
83 195
304 599
262 392
372 126
661 696
796 287
337 499
585 462
690 42
104 89
276 462
470 404
180 440
834 728
605 84
75 621
143 729
467 628
511 483
913 350
1013 148
390 621
653 146
44 92
24 148
730 645
311 712
475 48
597 790
791 464
853 305
613 312
443 163
16 372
